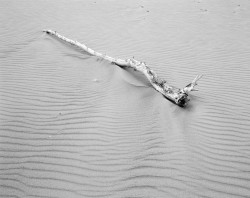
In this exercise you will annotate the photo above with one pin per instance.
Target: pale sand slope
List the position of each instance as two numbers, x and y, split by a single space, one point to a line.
77 126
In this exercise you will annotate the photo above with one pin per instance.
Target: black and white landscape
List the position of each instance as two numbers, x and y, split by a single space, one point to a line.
74 125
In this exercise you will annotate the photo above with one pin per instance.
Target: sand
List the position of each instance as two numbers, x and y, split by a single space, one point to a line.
72 125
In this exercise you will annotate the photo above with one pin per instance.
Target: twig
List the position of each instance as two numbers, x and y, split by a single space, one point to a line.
176 95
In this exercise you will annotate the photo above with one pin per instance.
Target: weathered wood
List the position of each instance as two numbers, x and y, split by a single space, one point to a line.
176 95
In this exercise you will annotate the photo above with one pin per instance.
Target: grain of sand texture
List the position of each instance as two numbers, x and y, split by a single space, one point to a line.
73 125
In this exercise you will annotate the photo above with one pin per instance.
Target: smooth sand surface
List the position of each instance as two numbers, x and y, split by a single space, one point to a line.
73 125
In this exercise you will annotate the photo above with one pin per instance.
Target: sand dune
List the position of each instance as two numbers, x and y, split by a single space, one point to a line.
72 125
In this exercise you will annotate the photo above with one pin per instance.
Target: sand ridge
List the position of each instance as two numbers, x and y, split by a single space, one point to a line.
73 125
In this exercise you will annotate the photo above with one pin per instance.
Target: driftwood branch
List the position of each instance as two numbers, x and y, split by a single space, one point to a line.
176 95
